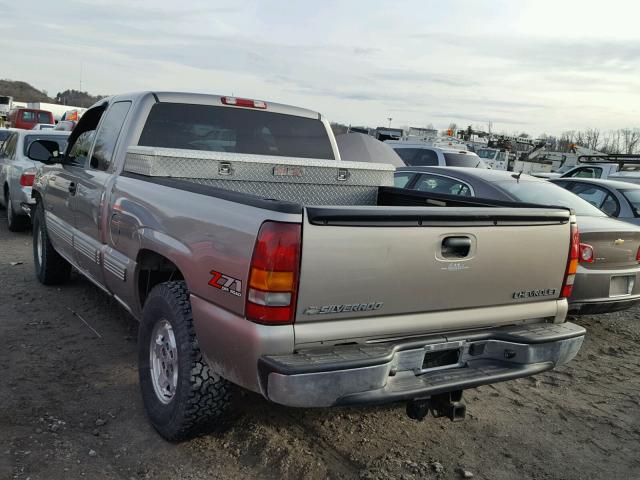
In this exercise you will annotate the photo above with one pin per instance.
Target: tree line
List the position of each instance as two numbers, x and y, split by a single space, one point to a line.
622 140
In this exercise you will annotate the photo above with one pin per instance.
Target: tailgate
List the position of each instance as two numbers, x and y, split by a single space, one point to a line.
385 261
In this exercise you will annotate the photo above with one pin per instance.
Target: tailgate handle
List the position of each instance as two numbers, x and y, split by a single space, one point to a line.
456 247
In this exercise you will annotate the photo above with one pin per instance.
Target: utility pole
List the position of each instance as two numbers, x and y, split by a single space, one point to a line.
81 66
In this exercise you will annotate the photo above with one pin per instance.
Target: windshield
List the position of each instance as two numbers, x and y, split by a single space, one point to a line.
634 198
29 139
236 130
486 153
564 169
4 134
463 160
544 193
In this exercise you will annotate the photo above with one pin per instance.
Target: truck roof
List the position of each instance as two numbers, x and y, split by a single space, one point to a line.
207 99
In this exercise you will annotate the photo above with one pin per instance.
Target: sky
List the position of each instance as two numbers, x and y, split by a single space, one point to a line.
525 66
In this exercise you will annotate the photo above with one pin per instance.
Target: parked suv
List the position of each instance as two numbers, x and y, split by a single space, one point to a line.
422 154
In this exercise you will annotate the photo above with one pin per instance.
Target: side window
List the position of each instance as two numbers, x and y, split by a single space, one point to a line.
44 117
598 197
442 185
401 179
80 150
610 206
28 116
107 135
10 148
587 172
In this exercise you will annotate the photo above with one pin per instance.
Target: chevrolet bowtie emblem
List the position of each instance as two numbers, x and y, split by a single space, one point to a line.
619 241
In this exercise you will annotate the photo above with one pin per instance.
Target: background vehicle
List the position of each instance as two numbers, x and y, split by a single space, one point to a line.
608 273
26 118
384 133
494 157
5 107
419 153
60 112
250 261
625 168
43 126
65 125
17 172
617 199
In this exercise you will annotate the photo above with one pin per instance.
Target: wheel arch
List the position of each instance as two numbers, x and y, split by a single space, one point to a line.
153 268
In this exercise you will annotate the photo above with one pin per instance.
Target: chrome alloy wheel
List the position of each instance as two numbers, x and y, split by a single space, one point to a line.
163 356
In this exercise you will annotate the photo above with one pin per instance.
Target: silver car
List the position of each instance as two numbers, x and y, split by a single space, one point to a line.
17 172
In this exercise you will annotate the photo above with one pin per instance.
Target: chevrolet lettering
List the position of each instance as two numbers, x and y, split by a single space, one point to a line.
548 292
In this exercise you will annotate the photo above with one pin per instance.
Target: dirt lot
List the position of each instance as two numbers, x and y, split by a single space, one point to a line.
70 408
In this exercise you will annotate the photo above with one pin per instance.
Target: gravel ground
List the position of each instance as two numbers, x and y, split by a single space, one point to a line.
70 408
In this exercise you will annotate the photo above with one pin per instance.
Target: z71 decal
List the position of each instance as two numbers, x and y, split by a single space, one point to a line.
226 283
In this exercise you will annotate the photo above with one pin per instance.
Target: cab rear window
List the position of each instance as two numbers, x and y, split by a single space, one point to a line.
235 130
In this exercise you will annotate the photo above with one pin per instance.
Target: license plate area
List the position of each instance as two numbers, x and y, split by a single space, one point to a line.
441 358
621 285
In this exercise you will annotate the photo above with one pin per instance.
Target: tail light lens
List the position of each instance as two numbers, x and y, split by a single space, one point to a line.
572 263
26 179
587 255
638 255
274 272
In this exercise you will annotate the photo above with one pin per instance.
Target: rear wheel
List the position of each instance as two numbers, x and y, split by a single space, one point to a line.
181 394
15 222
51 268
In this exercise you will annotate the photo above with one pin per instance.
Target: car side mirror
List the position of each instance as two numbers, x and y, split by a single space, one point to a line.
45 151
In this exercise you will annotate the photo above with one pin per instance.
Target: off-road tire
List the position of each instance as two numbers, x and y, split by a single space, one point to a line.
15 222
52 269
201 397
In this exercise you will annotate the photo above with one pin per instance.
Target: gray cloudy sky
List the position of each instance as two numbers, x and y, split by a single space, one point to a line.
535 66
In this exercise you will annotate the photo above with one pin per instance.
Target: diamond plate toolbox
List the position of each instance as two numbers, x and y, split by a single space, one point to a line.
299 180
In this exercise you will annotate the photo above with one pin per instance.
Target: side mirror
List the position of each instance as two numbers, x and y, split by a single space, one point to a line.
45 151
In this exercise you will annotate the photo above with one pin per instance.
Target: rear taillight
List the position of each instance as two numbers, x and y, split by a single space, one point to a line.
587 254
273 275
26 179
244 102
638 255
572 262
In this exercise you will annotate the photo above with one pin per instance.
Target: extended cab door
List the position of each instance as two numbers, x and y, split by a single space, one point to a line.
91 190
58 201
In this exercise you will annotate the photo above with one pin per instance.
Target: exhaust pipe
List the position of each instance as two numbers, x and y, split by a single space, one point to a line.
443 405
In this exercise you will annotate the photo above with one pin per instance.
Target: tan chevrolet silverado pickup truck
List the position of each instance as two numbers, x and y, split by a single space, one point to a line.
252 255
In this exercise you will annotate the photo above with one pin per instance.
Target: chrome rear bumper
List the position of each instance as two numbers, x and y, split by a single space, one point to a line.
380 373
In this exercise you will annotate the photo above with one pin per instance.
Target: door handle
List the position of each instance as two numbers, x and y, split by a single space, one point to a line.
72 188
456 247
